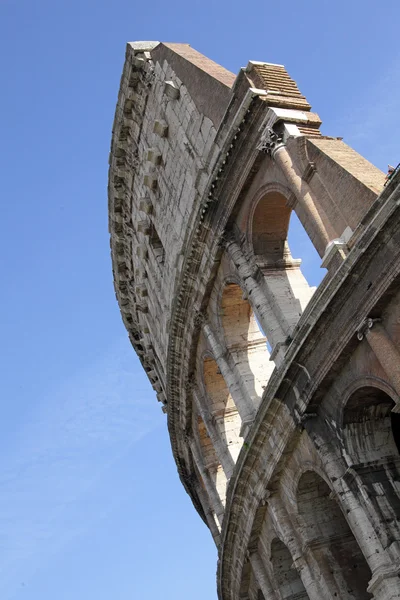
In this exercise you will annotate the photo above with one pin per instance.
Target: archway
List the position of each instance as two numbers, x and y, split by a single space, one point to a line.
329 536
286 576
371 434
269 239
245 341
301 245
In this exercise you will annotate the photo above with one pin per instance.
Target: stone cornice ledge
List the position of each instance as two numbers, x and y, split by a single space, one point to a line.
122 171
247 486
231 137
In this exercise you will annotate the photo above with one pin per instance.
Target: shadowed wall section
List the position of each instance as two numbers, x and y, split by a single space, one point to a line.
245 342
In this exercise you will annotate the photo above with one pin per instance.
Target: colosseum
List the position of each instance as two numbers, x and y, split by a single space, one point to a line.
282 400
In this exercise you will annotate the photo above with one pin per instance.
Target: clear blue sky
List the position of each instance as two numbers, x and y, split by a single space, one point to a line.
90 503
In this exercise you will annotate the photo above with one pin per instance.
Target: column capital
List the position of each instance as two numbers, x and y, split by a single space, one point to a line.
228 237
364 327
270 142
200 318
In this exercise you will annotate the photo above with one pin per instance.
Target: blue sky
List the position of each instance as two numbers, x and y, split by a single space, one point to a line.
90 503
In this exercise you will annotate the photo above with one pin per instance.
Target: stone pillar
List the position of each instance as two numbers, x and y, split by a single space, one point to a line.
243 402
261 576
319 228
209 513
214 433
260 304
211 489
316 217
385 351
312 575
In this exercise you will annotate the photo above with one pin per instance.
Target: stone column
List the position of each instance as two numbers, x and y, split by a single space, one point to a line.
243 402
260 304
385 351
213 433
321 232
211 489
261 576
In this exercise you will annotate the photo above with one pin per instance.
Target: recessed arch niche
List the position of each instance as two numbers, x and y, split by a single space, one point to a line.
371 433
245 341
222 406
286 576
330 538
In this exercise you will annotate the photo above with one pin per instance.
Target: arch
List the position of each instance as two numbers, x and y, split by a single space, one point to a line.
270 190
269 227
268 239
245 341
222 406
368 425
371 436
358 383
301 245
287 578
328 534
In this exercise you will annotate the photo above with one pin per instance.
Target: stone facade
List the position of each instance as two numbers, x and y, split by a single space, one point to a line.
282 401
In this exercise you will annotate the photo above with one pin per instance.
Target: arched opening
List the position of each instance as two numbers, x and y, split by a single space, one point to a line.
222 407
270 227
331 539
285 280
371 438
370 428
286 575
301 245
245 341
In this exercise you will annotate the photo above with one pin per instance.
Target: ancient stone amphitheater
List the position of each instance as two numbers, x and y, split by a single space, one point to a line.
282 400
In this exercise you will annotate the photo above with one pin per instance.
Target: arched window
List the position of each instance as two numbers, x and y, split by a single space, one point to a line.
331 539
269 241
270 227
301 246
245 341
286 576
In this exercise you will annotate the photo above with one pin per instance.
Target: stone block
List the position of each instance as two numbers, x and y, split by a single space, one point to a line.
146 206
160 128
171 90
144 227
150 181
153 155
142 253
141 291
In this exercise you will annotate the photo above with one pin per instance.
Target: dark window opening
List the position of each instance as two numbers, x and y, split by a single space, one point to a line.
157 246
395 418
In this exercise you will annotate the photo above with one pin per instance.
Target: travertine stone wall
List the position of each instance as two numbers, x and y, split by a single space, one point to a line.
282 401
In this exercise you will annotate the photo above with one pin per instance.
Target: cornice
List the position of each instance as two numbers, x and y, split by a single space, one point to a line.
212 217
123 163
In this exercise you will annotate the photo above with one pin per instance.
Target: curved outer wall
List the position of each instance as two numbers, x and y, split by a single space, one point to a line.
282 400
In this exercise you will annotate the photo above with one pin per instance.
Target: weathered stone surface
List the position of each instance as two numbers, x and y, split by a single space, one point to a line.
287 439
